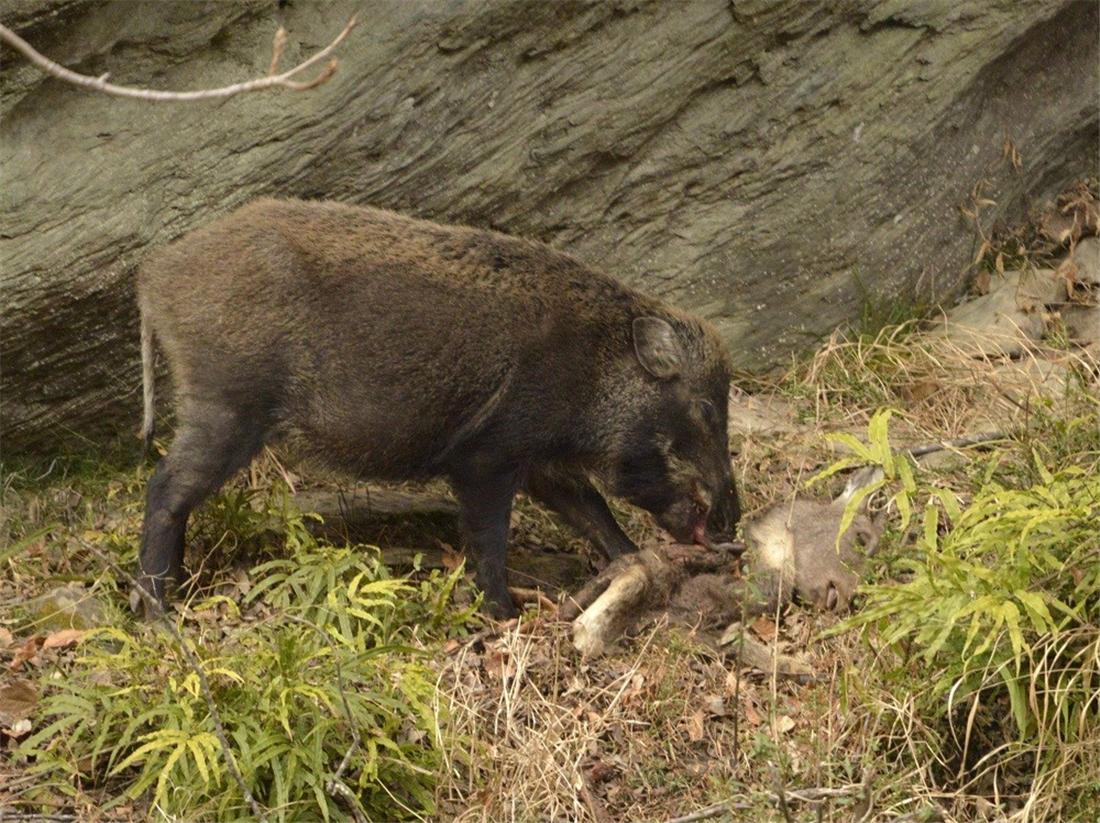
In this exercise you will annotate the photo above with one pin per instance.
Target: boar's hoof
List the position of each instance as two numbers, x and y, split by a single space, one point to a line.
502 609
147 599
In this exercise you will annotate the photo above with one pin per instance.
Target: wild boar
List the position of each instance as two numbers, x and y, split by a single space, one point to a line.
400 349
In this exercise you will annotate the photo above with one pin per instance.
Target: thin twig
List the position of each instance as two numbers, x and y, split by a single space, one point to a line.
196 667
781 796
711 811
271 81
956 443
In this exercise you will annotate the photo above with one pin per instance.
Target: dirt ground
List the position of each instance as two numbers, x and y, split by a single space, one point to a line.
671 726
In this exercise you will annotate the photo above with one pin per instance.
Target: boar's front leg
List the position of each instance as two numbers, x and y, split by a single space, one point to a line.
573 497
486 501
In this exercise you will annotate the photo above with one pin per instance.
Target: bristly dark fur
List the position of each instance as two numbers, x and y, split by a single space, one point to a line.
398 348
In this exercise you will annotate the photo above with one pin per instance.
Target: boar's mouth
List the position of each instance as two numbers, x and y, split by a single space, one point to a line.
686 521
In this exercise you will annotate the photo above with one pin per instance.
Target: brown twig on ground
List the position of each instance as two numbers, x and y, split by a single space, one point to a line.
525 594
779 796
271 81
711 811
196 667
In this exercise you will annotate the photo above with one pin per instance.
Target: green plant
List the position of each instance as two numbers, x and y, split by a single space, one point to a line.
999 605
320 680
894 470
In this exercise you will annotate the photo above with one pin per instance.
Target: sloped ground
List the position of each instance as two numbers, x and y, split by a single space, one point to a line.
507 722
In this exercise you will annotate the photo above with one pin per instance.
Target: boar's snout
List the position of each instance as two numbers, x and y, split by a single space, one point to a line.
686 520
725 515
702 517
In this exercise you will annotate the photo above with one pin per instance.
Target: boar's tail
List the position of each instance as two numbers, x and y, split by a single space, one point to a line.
148 383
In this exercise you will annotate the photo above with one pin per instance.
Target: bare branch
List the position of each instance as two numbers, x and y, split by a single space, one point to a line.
278 45
271 81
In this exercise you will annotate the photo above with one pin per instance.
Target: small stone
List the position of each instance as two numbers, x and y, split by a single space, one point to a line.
1086 257
1082 323
991 325
67 607
1036 288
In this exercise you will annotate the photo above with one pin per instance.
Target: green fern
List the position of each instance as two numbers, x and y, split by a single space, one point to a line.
329 665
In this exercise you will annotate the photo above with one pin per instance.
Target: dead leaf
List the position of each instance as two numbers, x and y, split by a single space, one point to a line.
696 728
1063 229
783 724
634 689
920 390
764 628
733 682
5 638
982 282
599 771
1067 271
752 715
499 664
17 701
28 651
63 638
451 559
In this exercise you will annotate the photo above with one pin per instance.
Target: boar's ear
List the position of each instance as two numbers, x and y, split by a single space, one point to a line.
658 348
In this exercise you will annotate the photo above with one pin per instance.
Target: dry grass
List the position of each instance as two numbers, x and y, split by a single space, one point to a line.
664 728
670 726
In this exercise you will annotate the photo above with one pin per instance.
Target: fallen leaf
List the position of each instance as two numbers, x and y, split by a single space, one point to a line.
5 638
764 629
982 282
752 715
634 689
783 724
920 390
26 652
451 559
63 638
715 705
599 772
17 701
732 682
696 726
499 664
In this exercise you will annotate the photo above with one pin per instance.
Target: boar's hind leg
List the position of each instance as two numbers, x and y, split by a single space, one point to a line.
573 497
486 511
212 443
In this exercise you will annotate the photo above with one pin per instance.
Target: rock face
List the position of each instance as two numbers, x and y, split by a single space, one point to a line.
766 163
